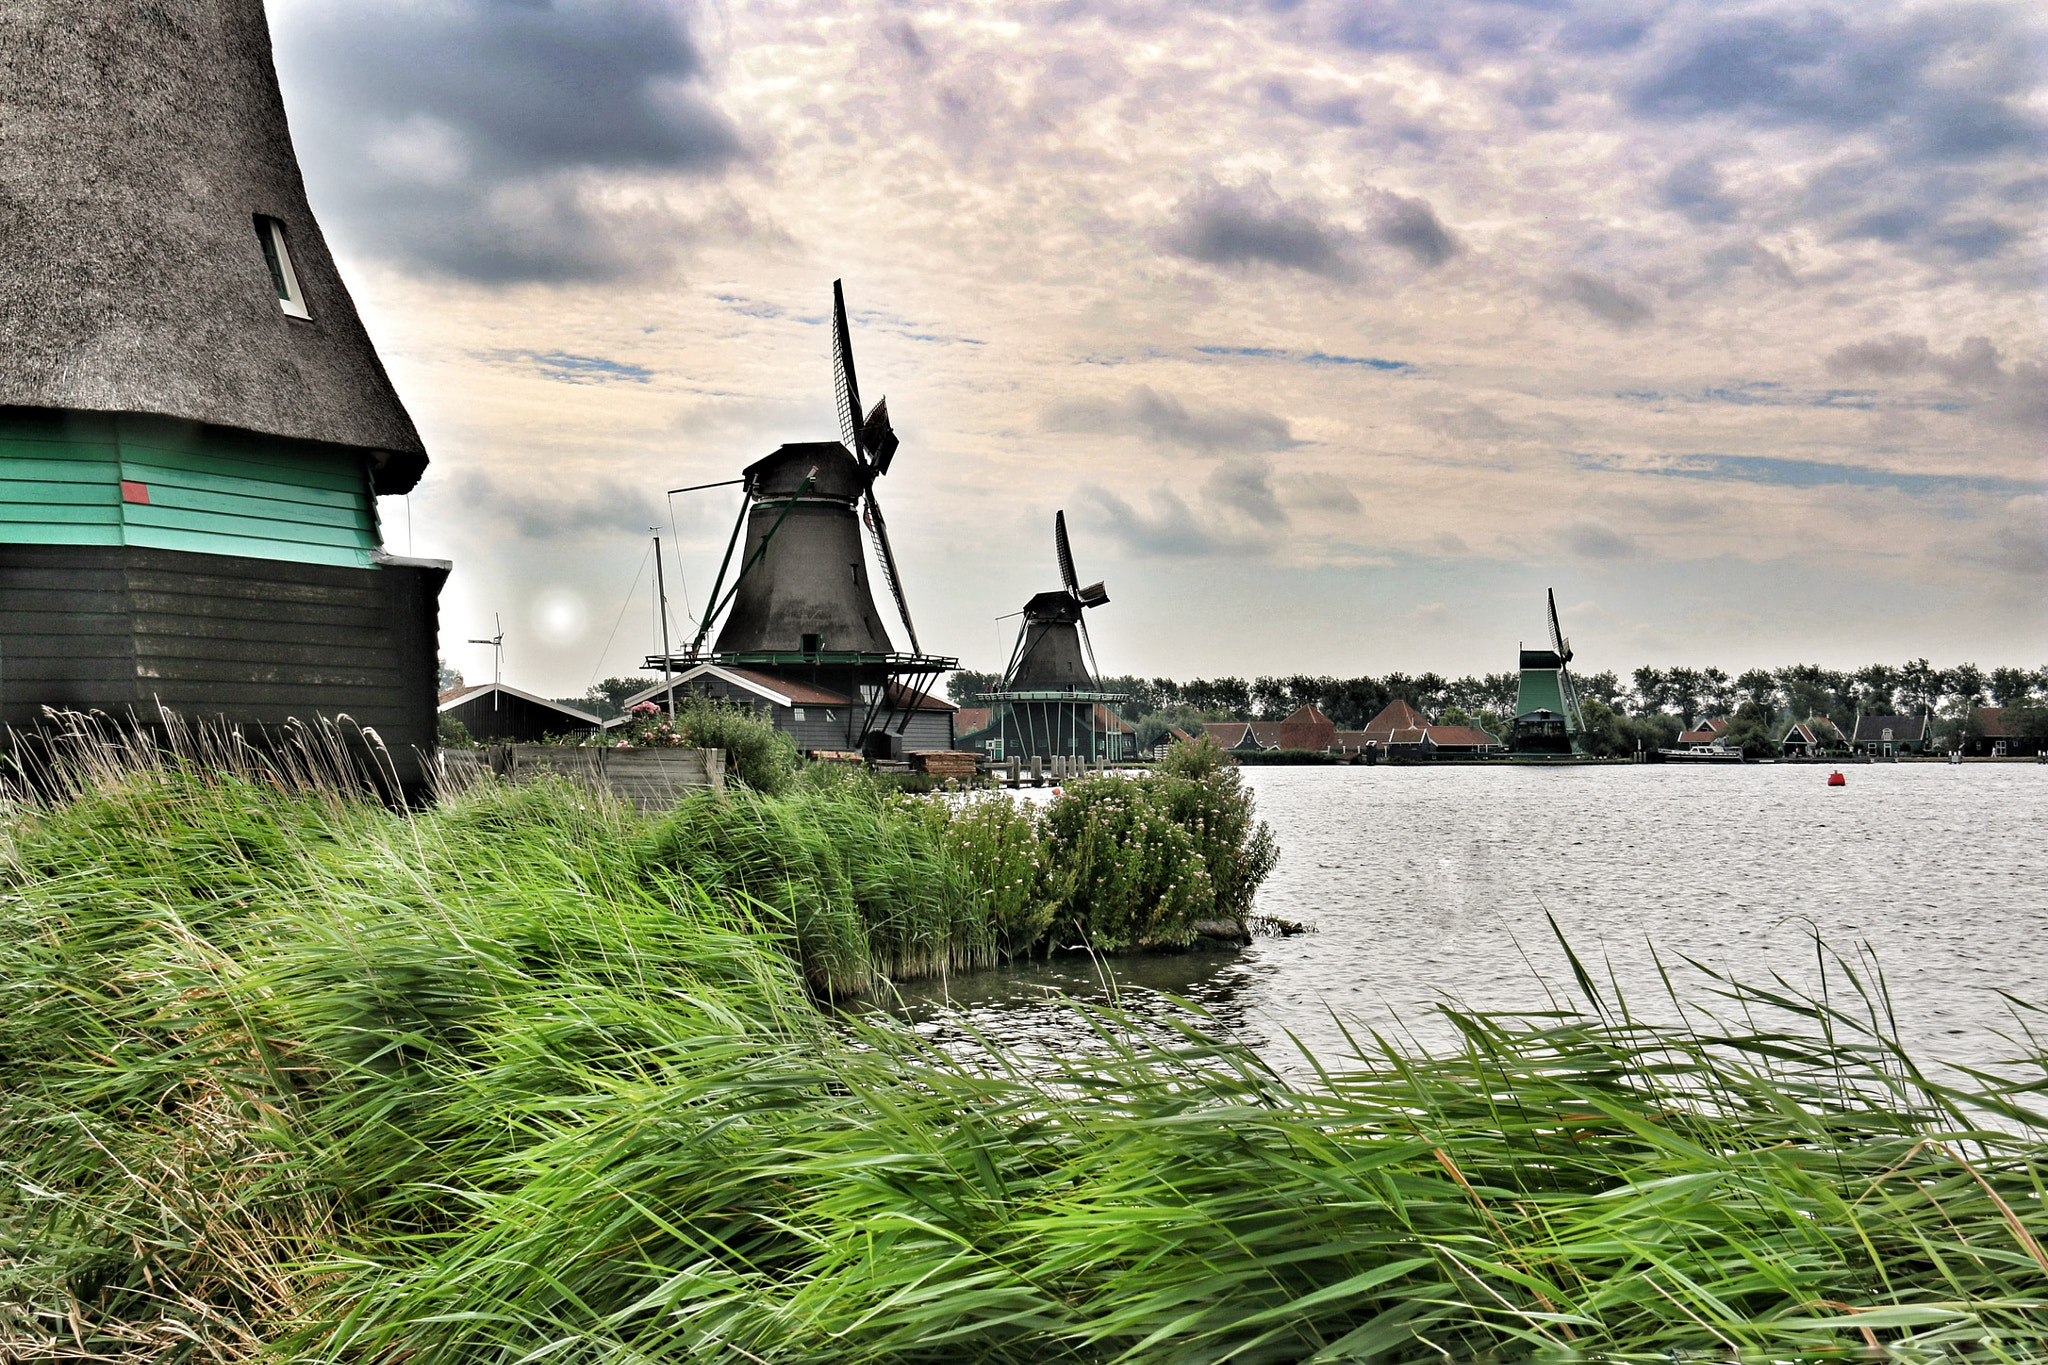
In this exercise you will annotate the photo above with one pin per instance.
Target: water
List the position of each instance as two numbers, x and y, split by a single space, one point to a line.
1428 883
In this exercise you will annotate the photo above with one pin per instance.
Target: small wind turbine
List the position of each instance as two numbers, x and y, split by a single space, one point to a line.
497 644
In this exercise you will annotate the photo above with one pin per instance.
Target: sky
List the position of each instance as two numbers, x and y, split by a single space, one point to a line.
1340 329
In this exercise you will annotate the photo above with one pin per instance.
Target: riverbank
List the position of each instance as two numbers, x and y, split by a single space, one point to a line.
518 1078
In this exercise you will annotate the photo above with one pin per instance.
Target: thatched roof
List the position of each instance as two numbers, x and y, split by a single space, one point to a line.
138 141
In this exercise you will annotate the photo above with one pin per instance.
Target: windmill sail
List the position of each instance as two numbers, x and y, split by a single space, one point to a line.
845 387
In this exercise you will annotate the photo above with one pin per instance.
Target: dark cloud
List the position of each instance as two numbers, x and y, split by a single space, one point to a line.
1170 528
1338 111
1694 189
1164 419
2015 395
1411 226
1318 493
1251 225
1975 361
463 137
1940 86
1244 487
1604 300
601 508
1591 540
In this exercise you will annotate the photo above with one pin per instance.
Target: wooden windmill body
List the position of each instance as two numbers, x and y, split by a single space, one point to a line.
1050 703
1548 722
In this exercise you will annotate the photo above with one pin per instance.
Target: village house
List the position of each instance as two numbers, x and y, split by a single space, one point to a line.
496 713
1890 736
1810 738
1706 735
1995 737
814 717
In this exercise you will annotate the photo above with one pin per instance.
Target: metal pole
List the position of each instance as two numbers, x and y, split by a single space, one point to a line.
661 597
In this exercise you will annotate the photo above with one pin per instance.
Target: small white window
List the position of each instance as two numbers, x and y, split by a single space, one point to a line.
278 256
799 714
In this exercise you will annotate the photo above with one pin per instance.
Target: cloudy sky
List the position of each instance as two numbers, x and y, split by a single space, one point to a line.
1339 328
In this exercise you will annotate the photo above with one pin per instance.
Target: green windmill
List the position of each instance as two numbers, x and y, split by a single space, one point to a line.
1547 716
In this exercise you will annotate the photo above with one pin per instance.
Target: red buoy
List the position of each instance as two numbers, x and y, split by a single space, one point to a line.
1835 779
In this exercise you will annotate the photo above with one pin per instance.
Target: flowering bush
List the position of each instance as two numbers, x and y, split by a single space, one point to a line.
1127 874
1001 852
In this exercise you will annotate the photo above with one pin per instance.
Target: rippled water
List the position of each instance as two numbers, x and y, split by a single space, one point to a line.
1431 882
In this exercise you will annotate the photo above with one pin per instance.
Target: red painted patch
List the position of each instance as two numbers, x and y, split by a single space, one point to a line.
132 491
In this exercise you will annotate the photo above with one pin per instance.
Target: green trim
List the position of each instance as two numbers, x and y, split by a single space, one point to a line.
211 490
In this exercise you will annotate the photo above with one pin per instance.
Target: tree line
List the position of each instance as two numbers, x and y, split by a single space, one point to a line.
1652 705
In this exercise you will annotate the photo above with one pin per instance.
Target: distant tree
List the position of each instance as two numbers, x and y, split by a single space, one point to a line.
966 685
1430 692
608 698
446 675
1356 701
1603 687
1652 690
1141 699
1750 731
1717 692
1759 685
1877 687
1920 687
1269 699
1230 696
1615 734
1965 684
2010 686
1685 692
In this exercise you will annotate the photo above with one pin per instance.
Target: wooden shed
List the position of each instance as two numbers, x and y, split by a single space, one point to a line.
194 426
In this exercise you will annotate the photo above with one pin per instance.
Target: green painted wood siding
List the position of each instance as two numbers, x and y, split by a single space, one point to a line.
210 490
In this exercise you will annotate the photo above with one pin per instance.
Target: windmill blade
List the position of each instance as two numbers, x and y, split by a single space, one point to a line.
845 387
879 438
1557 640
878 530
1066 553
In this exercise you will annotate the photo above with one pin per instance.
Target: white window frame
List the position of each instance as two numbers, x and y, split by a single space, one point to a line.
270 232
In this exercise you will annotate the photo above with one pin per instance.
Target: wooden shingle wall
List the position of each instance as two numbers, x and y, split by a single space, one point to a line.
102 479
218 637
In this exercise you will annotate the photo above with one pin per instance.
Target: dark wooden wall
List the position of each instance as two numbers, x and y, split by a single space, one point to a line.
219 637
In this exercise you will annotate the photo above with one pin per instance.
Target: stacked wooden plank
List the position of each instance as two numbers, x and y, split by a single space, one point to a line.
944 763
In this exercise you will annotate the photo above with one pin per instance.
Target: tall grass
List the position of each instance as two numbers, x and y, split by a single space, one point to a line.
285 1074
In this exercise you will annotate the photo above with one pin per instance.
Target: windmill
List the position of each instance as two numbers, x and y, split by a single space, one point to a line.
793 593
1048 703
1547 715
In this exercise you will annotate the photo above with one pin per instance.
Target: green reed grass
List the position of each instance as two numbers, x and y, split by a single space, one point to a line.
527 1077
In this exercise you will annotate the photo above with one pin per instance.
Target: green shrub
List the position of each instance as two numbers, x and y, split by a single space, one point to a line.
451 733
1126 873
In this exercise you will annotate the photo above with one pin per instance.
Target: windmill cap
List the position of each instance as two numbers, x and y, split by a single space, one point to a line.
781 474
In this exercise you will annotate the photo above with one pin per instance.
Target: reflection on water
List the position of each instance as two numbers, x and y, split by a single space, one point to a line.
1430 883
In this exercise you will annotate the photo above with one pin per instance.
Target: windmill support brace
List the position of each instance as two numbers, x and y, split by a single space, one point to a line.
704 626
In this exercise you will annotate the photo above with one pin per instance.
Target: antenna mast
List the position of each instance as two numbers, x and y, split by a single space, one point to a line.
661 598
497 644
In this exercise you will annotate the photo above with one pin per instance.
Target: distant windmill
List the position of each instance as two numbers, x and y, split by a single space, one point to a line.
1547 715
1049 698
799 609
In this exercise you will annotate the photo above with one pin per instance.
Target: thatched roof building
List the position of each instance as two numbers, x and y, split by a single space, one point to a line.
142 148
193 424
